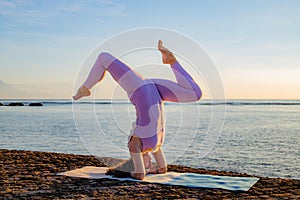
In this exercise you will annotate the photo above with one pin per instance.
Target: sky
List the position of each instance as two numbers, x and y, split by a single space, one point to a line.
254 44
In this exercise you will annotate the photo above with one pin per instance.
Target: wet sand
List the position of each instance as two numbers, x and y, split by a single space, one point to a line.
32 175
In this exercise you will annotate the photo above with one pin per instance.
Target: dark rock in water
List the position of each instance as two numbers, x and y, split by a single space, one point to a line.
16 104
35 104
1 104
122 170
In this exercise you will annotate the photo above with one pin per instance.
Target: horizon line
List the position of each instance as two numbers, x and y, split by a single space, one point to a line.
70 99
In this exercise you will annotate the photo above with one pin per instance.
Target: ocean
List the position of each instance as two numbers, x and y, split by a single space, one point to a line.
259 137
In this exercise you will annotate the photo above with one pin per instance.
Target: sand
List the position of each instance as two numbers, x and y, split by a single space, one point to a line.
32 175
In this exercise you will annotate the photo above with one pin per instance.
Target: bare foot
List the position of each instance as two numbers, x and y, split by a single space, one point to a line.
167 55
82 92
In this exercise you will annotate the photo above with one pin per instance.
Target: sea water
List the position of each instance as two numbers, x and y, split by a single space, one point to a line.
258 137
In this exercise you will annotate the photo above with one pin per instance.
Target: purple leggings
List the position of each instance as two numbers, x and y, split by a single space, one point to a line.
147 95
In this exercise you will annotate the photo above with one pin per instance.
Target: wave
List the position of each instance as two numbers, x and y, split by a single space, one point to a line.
252 103
52 102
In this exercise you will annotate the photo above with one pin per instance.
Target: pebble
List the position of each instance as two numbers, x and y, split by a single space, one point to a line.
32 175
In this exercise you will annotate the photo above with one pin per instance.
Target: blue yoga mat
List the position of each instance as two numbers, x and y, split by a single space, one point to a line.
174 178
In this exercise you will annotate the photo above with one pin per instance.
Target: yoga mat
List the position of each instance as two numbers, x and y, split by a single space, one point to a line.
173 178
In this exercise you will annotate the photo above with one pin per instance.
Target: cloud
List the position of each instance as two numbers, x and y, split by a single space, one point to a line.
114 9
93 8
21 14
45 89
4 3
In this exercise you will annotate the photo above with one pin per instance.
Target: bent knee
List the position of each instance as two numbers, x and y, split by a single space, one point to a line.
198 93
139 176
104 55
106 58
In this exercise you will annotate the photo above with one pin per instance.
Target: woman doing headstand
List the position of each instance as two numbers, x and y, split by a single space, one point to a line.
147 95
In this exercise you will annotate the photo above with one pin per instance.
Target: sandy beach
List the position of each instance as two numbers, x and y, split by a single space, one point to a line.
32 175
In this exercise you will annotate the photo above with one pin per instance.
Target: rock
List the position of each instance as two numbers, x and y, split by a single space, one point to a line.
1 104
16 104
28 175
35 104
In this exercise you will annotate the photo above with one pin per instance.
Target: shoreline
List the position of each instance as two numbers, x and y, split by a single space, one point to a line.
32 175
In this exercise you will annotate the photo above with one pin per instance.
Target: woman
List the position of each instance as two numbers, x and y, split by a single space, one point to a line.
147 95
